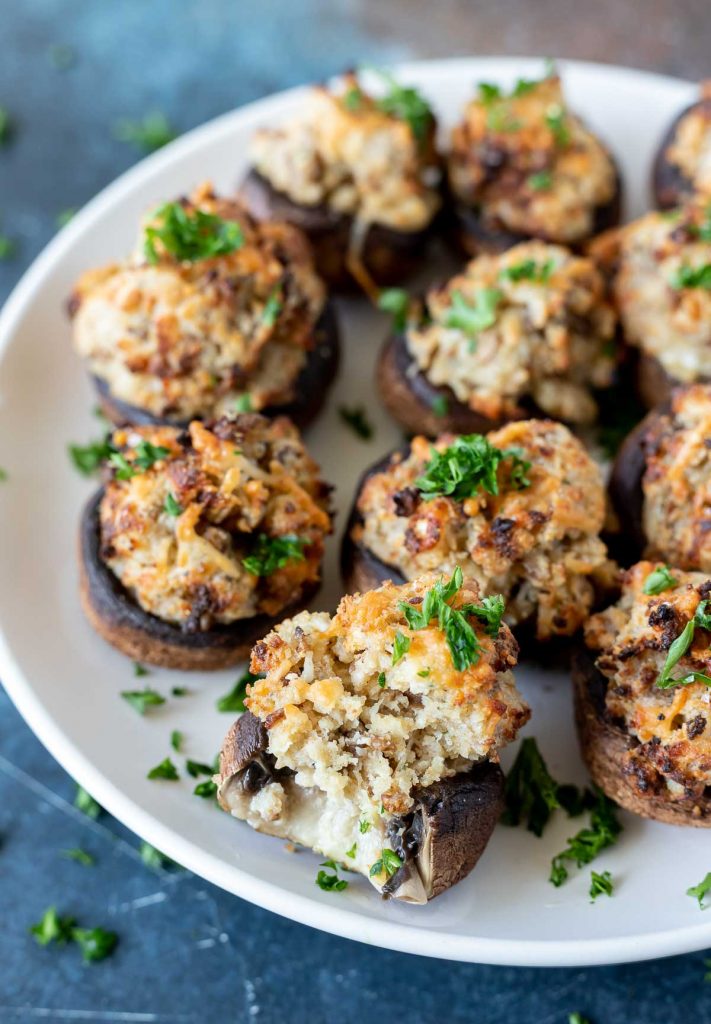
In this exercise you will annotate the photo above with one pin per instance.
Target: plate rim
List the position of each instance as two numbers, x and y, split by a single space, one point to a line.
351 924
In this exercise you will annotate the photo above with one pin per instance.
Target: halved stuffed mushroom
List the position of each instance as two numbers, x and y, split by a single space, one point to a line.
212 313
643 697
374 736
682 167
522 165
520 511
661 482
201 539
527 331
358 173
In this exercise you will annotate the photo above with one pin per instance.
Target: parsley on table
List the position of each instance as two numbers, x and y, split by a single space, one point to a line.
153 858
531 794
600 885
79 855
52 928
3 475
557 123
468 465
271 553
529 270
679 648
8 247
234 700
272 308
95 943
89 458
701 890
541 181
395 301
6 127
142 700
692 277
406 104
179 691
586 844
64 216
473 315
401 646
172 506
139 670
577 1018
152 132
190 235
206 789
356 419
659 580
165 770
440 406
85 803
330 882
197 768
243 403
176 740
387 864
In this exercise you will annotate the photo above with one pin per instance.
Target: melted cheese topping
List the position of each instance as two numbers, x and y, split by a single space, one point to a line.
551 340
353 158
677 482
670 323
690 149
670 725
187 339
500 145
538 546
331 721
233 481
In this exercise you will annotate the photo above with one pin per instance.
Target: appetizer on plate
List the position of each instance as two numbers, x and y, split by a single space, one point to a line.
520 511
200 539
660 273
358 173
682 167
522 165
643 699
661 482
374 736
527 331
212 313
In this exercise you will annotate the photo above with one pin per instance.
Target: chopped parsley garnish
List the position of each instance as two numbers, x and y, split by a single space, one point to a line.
80 856
424 673
3 475
148 454
701 890
440 406
577 1018
52 928
489 92
658 581
85 803
95 943
142 700
179 691
190 235
139 670
352 99
557 122
463 643
401 646
363 826
272 553
586 844
692 277
153 858
531 794
150 133
540 181
234 700
352 852
123 470
406 104
272 308
529 270
381 677
8 247
468 465
356 419
330 882
243 403
473 316
172 506
6 126
703 230
88 458
678 649
600 885
206 789
176 740
197 768
165 770
397 302
387 864
64 216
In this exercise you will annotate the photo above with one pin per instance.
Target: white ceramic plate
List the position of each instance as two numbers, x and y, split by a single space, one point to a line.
66 681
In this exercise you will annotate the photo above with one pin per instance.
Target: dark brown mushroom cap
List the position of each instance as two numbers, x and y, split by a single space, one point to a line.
310 387
605 746
670 186
625 488
389 256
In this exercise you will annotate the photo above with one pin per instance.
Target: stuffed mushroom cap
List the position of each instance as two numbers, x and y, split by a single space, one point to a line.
687 151
529 327
212 310
659 697
216 524
362 714
528 164
519 510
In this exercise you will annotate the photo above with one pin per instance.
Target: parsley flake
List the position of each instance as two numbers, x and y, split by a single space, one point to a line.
600 885
89 458
471 463
271 553
352 99
243 403
401 646
692 277
272 308
148 454
363 826
64 216
330 882
6 127
541 181
473 315
80 856
190 235
142 700
395 301
176 740
85 803
165 770
440 406
52 928
658 581
698 892
387 864
95 943
557 123
381 679
408 105
234 700
531 794
529 270
197 768
679 648
356 419
577 1018
206 789
3 475
586 844
352 852
152 132
172 506
153 858
139 670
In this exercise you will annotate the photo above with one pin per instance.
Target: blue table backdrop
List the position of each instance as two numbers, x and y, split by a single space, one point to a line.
188 952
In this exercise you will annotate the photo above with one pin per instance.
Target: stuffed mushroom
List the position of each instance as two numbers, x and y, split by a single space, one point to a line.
522 165
528 331
212 313
520 511
682 167
200 539
358 173
643 703
374 736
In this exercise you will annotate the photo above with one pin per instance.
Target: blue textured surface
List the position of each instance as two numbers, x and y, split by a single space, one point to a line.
187 951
